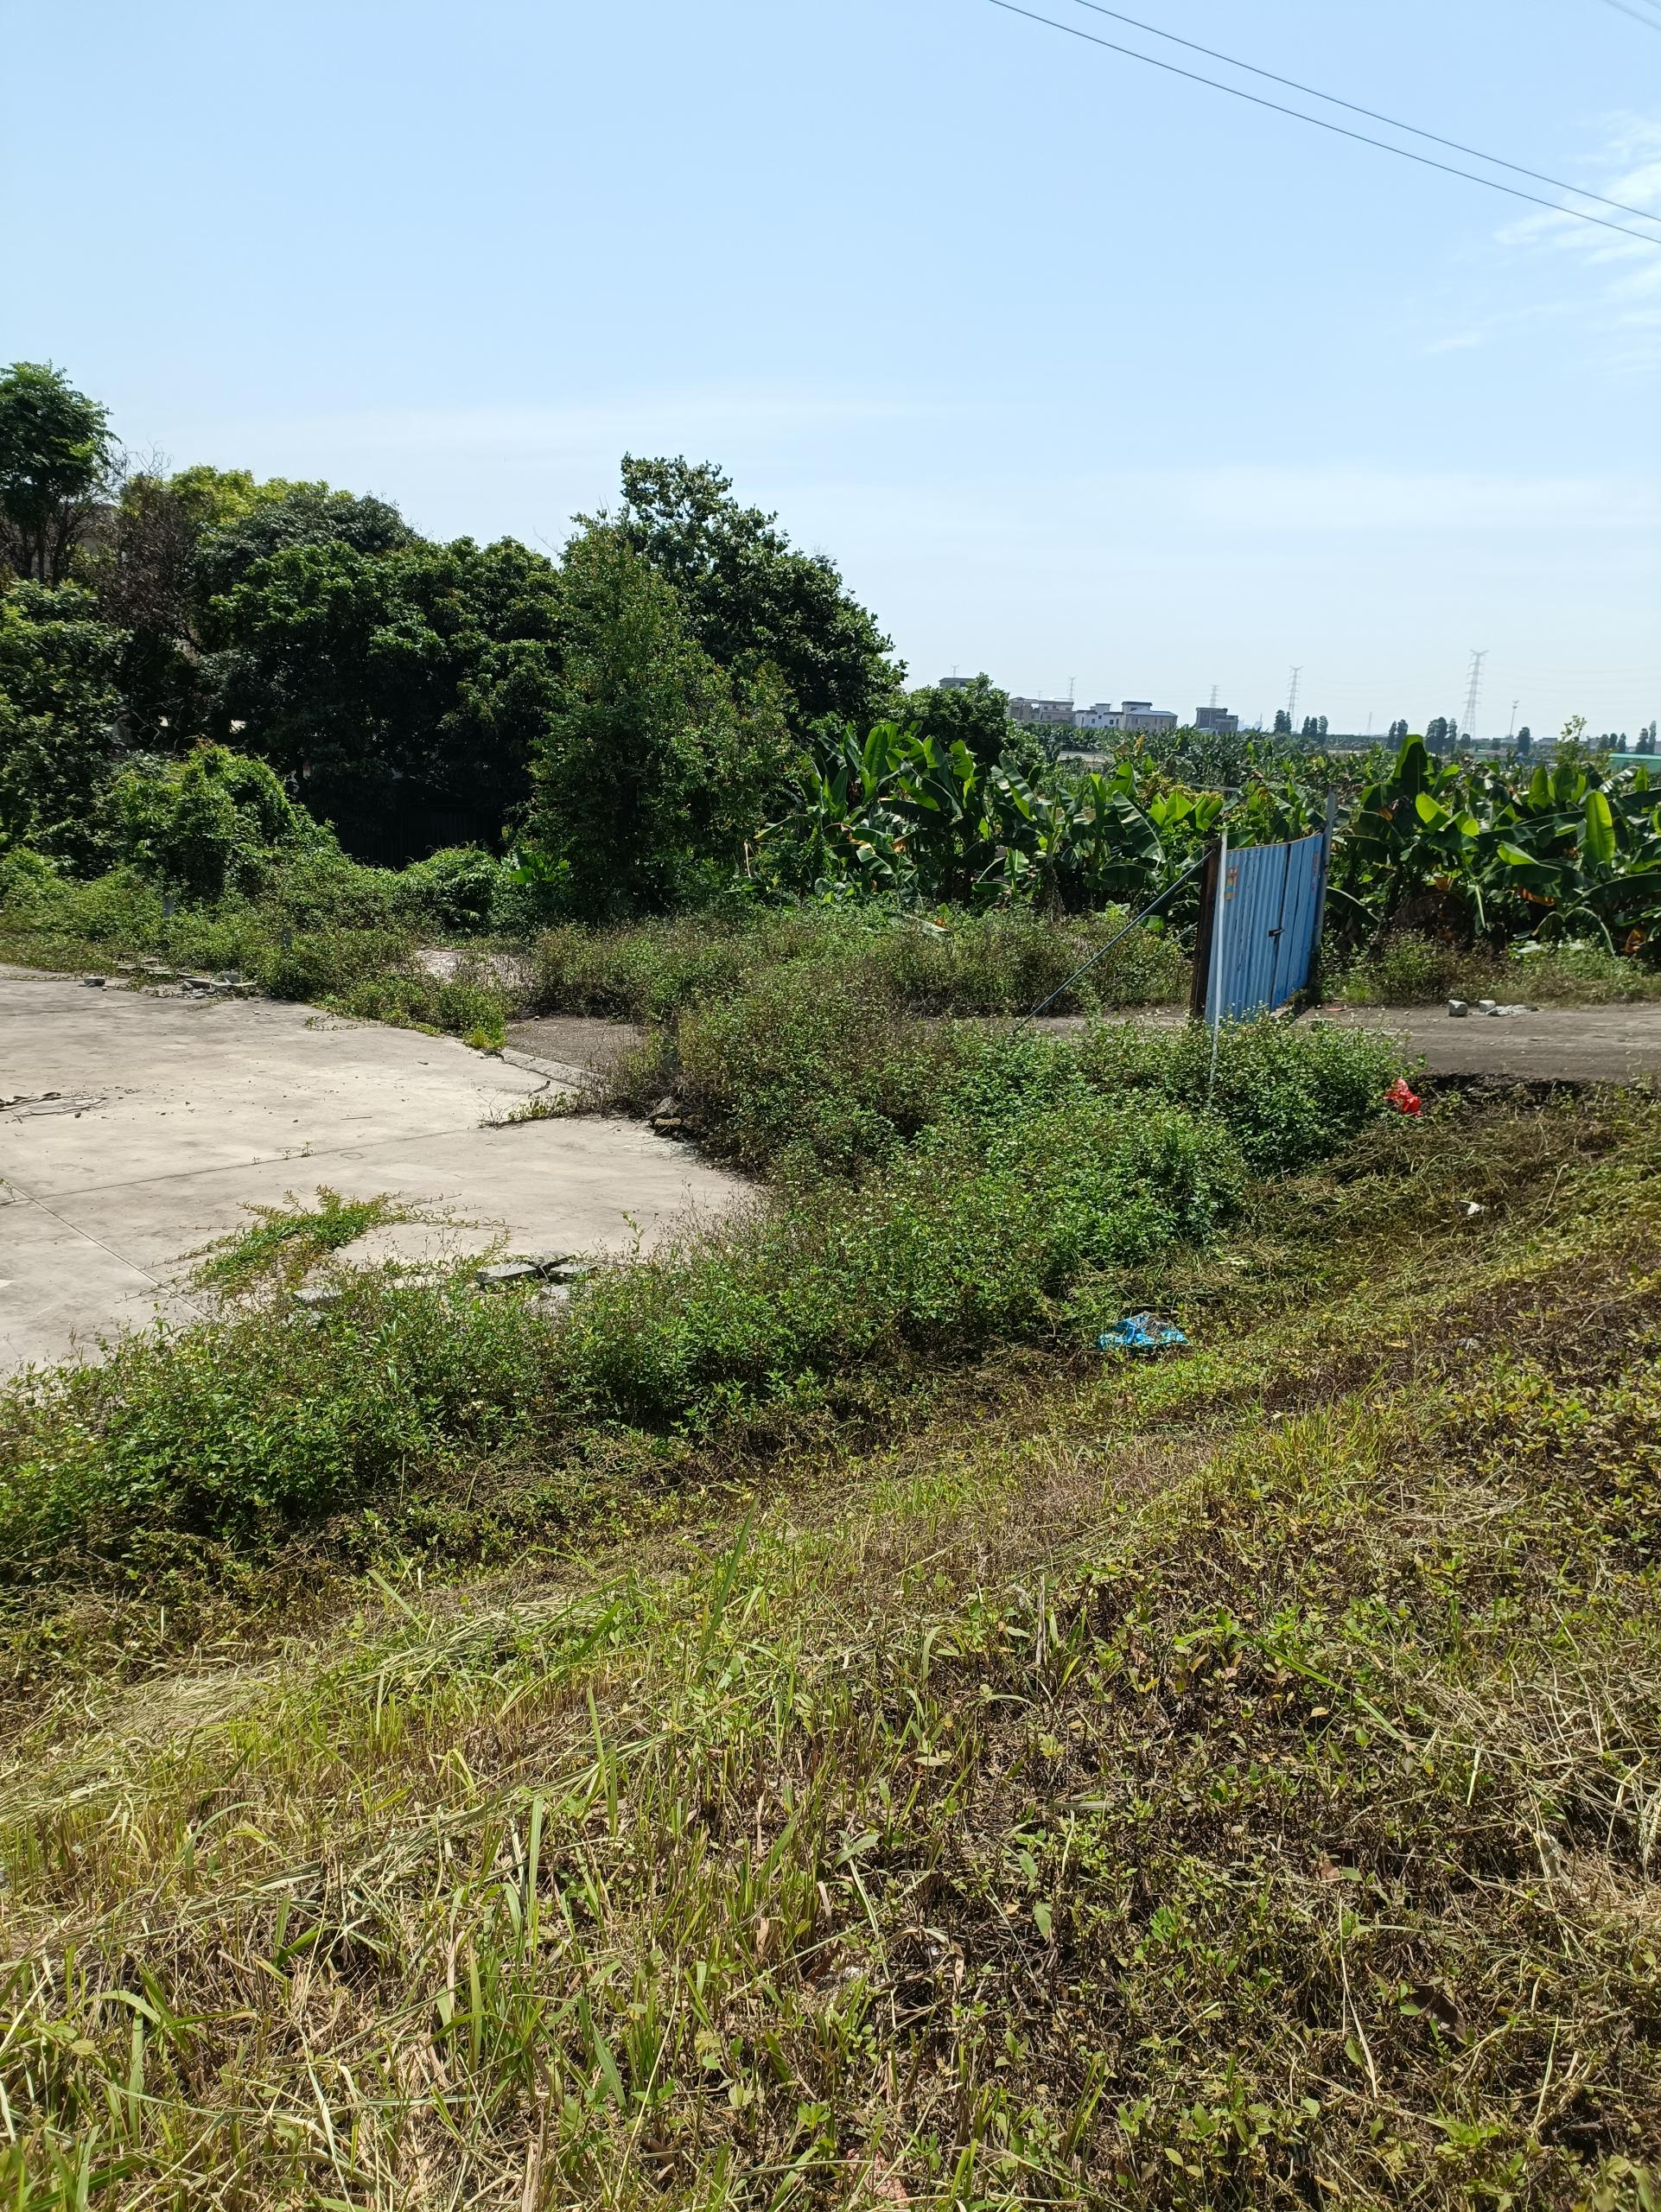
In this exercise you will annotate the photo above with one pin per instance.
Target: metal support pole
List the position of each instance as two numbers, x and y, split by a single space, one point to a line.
1218 946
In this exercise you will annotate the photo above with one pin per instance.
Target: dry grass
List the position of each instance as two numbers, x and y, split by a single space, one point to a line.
1230 1782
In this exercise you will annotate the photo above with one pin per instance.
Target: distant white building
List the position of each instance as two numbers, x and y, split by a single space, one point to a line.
1131 715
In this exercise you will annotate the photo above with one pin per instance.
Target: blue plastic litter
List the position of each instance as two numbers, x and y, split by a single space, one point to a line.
1139 1333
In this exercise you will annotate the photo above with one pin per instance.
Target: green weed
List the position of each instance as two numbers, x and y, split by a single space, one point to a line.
1409 971
286 1242
956 963
1037 1181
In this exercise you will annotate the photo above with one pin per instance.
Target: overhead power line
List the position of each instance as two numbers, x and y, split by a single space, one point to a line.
1337 129
1649 23
1372 114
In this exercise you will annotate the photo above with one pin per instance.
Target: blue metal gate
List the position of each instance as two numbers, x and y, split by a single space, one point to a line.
1265 925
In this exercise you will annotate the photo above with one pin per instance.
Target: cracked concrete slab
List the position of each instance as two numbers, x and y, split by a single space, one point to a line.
182 1113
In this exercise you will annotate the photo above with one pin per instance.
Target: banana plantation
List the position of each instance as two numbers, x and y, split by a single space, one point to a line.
1456 848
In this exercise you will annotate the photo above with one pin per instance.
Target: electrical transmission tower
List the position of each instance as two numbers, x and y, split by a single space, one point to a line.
1472 691
1292 700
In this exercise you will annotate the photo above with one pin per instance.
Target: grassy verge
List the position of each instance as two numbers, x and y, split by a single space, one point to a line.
1224 1782
955 962
323 929
1411 970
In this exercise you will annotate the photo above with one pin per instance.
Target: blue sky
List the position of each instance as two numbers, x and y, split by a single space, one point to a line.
1083 374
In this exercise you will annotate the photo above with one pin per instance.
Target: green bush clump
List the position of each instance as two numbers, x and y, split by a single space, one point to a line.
208 824
258 1421
809 1071
38 901
956 963
649 971
460 1006
274 1418
958 1244
322 928
804 1063
1291 1092
1008 962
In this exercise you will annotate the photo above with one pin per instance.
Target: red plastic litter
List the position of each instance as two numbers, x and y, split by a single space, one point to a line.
1404 1100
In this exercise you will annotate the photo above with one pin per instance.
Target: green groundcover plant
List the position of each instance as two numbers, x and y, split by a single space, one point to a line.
1045 1172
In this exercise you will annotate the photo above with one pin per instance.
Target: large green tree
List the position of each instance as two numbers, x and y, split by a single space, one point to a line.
751 596
656 762
56 459
420 675
59 707
281 514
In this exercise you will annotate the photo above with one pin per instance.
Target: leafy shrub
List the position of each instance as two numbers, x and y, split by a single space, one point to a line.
325 889
259 1420
327 964
1008 962
460 1005
40 902
951 1247
458 890
1290 1092
804 1063
809 1069
209 823
1040 1169
1407 970
59 715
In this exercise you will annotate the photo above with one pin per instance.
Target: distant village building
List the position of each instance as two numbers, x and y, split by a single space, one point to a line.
1217 720
1042 710
1132 715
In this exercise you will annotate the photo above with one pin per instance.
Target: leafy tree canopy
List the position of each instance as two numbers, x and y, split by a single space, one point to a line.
976 713
655 761
59 709
263 519
56 455
351 671
751 596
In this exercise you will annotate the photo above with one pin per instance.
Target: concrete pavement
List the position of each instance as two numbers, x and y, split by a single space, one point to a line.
172 1116
1553 1044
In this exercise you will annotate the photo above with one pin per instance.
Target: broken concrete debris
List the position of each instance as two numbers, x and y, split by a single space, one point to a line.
563 1269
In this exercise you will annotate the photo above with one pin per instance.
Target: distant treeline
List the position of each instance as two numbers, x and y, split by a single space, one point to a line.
412 693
